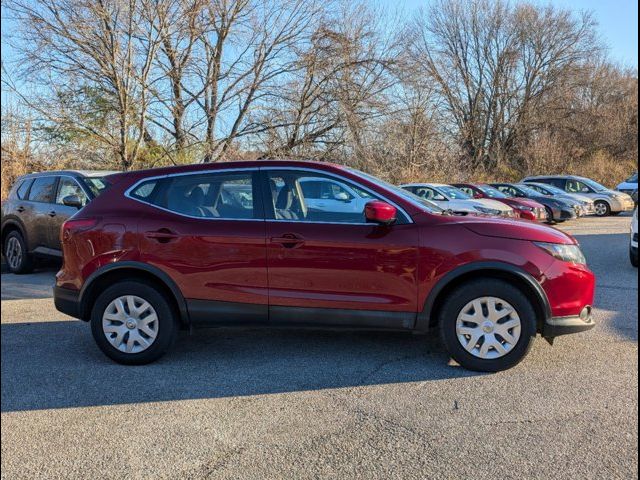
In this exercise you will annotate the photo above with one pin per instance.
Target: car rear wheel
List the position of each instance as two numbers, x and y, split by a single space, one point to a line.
602 208
132 323
487 325
633 256
18 259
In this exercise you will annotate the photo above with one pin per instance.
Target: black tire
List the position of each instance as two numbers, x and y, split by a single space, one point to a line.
550 219
633 256
607 208
472 290
26 263
167 322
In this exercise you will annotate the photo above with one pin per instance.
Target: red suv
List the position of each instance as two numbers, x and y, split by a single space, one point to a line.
524 208
274 243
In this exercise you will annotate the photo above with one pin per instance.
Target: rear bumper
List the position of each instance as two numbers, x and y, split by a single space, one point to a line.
556 326
67 301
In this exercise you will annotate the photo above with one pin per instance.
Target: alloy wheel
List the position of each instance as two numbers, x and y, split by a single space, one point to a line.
601 209
130 324
488 327
14 253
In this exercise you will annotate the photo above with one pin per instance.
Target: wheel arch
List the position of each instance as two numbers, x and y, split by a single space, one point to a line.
130 270
428 317
12 225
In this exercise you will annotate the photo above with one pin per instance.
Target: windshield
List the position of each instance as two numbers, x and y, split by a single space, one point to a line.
96 184
410 197
492 192
595 185
530 192
452 192
551 188
632 179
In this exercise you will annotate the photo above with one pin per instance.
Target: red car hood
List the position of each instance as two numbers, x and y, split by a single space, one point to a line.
514 229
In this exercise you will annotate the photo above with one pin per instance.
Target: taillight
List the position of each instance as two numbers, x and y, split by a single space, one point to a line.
74 225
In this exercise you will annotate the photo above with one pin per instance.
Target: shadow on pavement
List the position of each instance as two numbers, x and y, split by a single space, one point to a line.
34 285
57 365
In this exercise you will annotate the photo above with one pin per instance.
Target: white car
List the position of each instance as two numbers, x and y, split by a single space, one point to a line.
452 198
324 194
633 249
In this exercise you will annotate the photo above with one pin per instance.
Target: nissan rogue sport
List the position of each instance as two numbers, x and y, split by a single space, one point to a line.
237 244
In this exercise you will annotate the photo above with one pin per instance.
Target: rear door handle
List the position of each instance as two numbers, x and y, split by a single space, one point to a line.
20 209
52 213
288 240
163 235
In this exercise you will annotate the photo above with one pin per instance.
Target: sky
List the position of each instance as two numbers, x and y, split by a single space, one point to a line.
618 22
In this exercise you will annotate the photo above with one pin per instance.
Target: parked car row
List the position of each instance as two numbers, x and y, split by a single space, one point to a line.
550 199
303 244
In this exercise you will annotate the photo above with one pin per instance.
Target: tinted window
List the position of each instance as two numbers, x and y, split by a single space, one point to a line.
43 189
556 182
68 186
211 195
467 190
23 188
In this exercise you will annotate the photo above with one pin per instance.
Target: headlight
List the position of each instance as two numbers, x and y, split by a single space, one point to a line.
488 211
566 253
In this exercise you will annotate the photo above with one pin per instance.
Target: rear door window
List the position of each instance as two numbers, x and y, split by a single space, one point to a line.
23 188
43 189
221 195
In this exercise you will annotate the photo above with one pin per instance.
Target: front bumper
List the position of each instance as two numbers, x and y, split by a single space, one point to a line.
67 301
567 214
623 205
556 326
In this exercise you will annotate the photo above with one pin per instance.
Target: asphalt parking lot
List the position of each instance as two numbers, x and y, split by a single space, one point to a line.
273 404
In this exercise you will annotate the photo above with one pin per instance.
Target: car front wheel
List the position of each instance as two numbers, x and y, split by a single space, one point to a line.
602 209
133 323
487 325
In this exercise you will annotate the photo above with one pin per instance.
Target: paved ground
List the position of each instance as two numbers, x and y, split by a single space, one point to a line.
270 404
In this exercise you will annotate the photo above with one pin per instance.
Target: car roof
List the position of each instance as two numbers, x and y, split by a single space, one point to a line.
73 173
539 177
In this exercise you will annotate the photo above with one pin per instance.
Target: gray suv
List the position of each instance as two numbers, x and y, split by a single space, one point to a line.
37 206
606 201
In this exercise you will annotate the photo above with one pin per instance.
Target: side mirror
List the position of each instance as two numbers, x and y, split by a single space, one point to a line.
342 197
380 212
72 201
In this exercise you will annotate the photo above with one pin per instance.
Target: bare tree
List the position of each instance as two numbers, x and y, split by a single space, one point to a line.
493 62
91 63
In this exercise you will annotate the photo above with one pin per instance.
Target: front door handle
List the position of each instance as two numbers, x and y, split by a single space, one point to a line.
288 240
52 213
20 209
163 235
